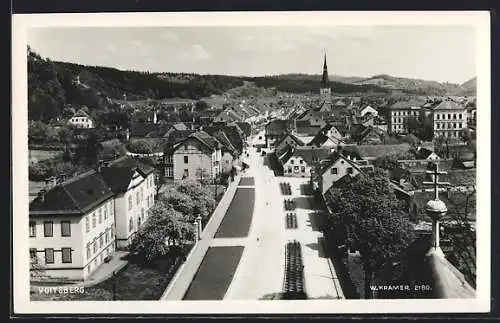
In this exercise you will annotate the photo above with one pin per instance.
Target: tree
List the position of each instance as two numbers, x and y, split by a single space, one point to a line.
165 230
180 202
204 201
371 220
88 151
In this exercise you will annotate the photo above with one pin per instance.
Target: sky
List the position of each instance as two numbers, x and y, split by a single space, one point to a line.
440 53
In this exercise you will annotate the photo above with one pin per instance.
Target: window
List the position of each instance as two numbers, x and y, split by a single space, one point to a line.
33 256
93 220
296 169
186 159
454 125
186 172
100 215
130 202
301 161
94 243
139 223
49 255
437 116
291 161
142 194
111 233
87 224
454 115
460 116
32 229
66 255
48 228
289 169
142 214
137 197
101 241
130 224
334 170
105 213
303 169
349 170
65 229
449 115
89 252
106 236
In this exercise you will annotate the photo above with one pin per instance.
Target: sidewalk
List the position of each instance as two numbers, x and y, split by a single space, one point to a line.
104 272
180 283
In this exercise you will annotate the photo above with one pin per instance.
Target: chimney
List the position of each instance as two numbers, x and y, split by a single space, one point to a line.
42 195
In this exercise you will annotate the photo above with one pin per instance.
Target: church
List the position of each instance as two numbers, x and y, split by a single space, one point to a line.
325 91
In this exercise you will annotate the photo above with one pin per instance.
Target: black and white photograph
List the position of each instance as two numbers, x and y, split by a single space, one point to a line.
268 162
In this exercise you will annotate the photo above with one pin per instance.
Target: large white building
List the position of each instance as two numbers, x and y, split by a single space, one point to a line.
449 119
77 223
72 227
134 186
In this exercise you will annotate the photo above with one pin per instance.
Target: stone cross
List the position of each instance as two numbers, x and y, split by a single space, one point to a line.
435 181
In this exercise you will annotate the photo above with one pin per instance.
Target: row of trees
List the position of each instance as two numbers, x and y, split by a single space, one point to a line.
170 223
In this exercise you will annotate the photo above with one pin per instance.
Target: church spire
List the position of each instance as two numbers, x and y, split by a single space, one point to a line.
324 81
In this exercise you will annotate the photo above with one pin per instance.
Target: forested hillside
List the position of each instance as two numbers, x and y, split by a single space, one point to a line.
52 86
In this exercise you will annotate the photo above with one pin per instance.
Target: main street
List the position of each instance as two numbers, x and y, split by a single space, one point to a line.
261 269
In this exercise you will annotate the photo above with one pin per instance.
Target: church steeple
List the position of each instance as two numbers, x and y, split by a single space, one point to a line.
324 81
324 90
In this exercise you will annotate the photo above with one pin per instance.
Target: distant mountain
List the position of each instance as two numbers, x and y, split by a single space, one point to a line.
469 87
418 86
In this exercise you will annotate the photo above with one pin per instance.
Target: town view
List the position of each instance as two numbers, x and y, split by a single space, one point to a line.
288 183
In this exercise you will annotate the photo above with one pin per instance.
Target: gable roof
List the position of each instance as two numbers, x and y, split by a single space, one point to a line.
292 136
77 195
246 127
232 132
331 160
276 127
449 105
311 154
226 144
422 153
119 173
81 113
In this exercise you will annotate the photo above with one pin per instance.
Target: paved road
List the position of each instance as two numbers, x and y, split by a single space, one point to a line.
261 269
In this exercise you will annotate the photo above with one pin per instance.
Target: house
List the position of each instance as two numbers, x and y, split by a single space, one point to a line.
233 132
449 119
274 130
134 186
288 139
333 168
402 110
424 153
368 111
72 227
198 157
298 161
245 127
229 155
309 118
367 135
228 115
328 136
81 119
173 138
